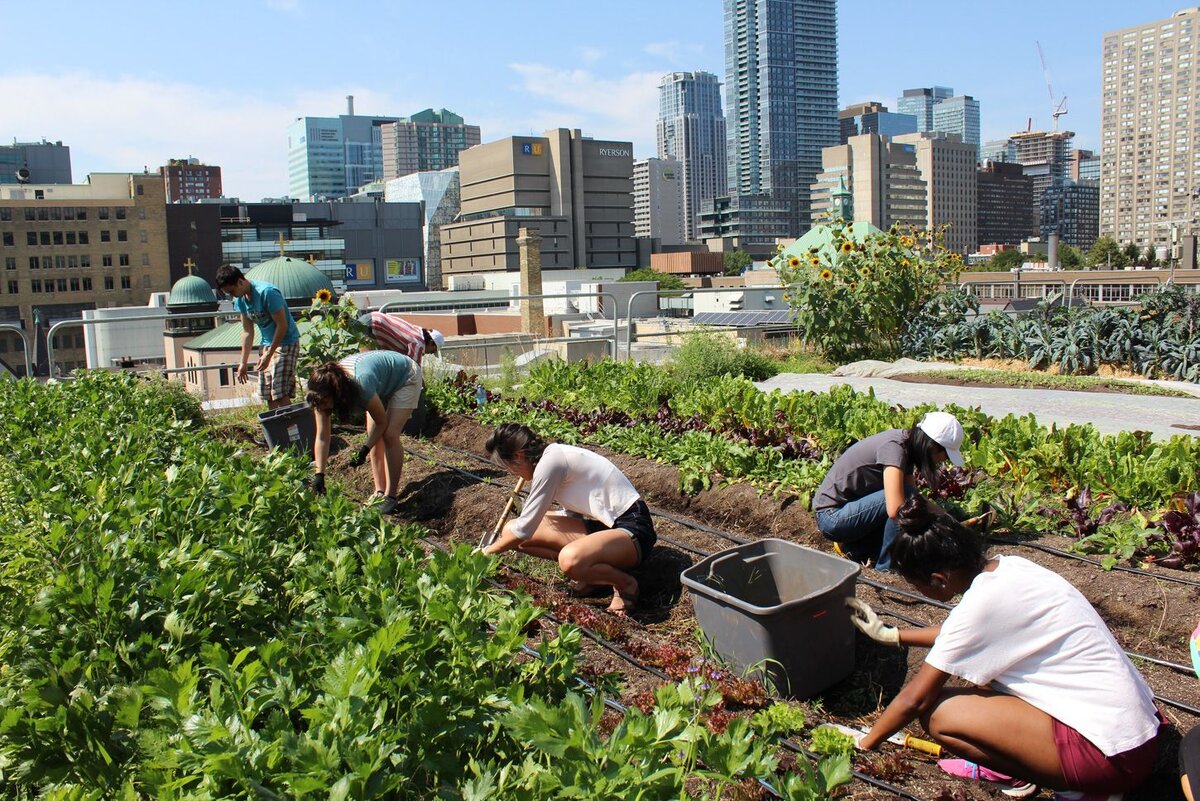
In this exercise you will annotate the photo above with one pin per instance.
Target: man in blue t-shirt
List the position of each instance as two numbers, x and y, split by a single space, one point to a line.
262 305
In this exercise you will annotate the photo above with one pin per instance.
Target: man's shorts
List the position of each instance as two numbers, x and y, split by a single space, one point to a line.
409 395
278 381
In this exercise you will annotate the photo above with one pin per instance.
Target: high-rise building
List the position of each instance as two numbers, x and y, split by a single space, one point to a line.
691 129
425 142
576 192
68 248
882 176
187 180
947 166
331 157
1005 198
997 150
1071 209
920 103
1150 157
780 98
35 163
873 117
658 200
958 115
1046 158
1085 166
744 222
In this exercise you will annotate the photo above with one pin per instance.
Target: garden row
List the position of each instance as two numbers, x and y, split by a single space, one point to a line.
185 620
1127 495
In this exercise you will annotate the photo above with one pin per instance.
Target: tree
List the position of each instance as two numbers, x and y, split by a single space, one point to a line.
1151 258
1106 252
1133 253
736 261
1007 259
665 280
1070 257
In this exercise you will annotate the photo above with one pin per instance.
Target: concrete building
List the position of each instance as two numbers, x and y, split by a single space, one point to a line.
187 180
1005 201
920 103
71 247
780 99
1150 157
1046 157
873 117
330 157
691 129
440 198
35 163
1085 166
960 116
947 166
883 178
576 192
658 201
744 222
427 141
1072 210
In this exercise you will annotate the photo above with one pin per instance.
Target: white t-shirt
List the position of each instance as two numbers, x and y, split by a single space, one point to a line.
1029 633
581 482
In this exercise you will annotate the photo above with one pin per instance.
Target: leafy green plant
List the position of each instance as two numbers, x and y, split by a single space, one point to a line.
829 741
332 333
706 354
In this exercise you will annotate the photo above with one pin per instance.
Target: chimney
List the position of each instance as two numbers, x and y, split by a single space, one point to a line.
1052 251
350 105
533 315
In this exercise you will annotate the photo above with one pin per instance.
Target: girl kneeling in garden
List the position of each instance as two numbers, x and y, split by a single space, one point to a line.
386 386
1056 701
607 529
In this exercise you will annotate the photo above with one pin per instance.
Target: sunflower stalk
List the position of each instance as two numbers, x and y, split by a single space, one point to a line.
332 331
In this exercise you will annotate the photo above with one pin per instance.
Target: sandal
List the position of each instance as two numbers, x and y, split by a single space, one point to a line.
1009 786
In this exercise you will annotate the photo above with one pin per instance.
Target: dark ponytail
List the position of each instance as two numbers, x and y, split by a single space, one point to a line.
509 439
330 381
923 454
931 541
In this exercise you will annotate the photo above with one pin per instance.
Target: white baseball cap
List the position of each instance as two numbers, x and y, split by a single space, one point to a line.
944 429
438 339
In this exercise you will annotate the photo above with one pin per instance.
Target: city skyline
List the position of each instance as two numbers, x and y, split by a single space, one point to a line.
229 99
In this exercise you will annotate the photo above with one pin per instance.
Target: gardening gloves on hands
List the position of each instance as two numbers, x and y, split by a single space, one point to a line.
865 620
360 457
318 484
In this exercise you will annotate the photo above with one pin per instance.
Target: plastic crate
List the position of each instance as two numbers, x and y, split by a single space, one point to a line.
778 608
291 426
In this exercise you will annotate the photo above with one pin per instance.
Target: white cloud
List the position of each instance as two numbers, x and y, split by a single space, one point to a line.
590 55
625 107
675 52
125 124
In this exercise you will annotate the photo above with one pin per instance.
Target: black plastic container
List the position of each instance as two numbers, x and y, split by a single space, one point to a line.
291 426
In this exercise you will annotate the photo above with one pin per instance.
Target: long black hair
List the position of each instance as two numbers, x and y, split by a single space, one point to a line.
923 454
509 439
932 541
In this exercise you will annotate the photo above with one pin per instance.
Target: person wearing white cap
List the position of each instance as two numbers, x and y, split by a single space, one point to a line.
394 333
857 503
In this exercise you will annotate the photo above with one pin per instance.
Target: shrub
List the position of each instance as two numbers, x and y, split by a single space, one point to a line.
333 332
706 354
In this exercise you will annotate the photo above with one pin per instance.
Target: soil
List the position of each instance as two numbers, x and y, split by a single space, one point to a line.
951 381
1103 371
1147 615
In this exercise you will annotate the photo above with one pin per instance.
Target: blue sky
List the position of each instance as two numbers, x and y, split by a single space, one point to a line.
131 84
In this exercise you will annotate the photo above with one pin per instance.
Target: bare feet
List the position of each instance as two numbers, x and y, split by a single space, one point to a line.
624 602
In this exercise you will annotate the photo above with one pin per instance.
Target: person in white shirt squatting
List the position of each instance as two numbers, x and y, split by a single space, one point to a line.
606 529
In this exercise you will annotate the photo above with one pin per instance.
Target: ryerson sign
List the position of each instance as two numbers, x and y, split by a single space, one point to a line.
613 151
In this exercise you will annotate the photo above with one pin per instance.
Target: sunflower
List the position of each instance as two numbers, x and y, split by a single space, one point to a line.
864 271
793 262
323 296
847 247
907 241
826 274
814 261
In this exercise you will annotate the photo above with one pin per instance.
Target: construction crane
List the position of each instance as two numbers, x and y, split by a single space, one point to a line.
1058 106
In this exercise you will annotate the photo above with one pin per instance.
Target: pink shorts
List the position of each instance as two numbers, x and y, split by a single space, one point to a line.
1085 767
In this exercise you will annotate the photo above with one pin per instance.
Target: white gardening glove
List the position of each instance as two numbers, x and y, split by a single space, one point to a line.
866 621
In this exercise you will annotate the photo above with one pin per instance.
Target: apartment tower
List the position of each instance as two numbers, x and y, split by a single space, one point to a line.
187 180
658 200
331 157
425 142
883 178
691 130
947 166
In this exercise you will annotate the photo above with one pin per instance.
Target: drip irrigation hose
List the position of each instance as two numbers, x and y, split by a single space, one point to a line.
870 582
1080 558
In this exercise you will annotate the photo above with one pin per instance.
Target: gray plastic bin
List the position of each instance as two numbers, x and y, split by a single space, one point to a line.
290 426
778 607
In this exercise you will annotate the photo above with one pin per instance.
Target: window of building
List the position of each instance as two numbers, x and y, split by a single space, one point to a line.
141 212
106 260
70 237
13 287
83 237
62 285
125 283
102 213
35 285
108 282
120 212
81 213
146 259
55 213
68 212
145 237
124 260
6 215
9 241
106 236
10 262
58 237
43 214
85 261
60 262
30 214
74 284
122 235
34 262
141 190
72 261
87 285
44 238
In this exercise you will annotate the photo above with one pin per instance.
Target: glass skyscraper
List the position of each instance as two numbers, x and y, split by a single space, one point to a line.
780 98
920 103
691 130
331 157
938 109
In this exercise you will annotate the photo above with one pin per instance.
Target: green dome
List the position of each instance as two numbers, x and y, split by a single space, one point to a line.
191 290
296 279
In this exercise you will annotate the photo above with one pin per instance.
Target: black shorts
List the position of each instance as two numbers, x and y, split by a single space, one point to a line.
636 522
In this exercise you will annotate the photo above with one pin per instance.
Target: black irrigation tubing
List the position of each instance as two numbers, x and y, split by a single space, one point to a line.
1080 558
870 582
784 742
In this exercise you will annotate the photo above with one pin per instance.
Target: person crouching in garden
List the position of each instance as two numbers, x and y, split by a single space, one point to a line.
856 504
607 529
397 334
1055 701
386 386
